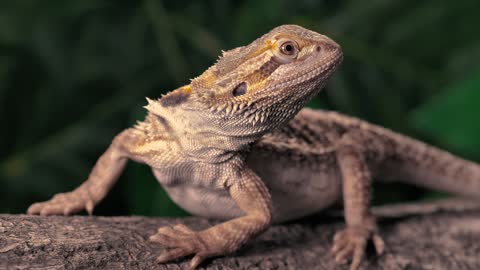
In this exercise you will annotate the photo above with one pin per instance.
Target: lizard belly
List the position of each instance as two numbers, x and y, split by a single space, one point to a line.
297 189
198 190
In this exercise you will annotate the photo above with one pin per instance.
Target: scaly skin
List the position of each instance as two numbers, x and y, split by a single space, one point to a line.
236 144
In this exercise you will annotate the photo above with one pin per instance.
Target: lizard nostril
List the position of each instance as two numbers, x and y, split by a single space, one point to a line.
318 48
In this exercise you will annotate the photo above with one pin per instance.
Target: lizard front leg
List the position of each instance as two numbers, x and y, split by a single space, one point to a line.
251 195
103 176
350 243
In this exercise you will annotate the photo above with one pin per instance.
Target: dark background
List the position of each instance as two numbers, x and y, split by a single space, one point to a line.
75 73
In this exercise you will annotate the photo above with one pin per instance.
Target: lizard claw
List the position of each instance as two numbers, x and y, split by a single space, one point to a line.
351 243
183 241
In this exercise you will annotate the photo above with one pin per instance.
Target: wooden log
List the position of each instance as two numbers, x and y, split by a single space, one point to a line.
437 235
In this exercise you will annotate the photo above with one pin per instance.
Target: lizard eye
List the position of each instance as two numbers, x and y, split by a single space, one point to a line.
240 89
286 50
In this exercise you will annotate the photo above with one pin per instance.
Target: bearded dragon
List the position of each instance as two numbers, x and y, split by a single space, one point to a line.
236 144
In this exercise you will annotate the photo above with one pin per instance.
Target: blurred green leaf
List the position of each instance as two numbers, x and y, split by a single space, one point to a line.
166 41
452 117
74 73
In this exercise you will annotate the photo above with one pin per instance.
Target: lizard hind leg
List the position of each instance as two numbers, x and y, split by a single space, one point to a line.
351 242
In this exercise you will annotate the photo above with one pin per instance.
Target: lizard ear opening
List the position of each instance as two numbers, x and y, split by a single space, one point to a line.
241 89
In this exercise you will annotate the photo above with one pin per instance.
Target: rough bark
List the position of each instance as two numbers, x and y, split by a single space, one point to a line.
440 235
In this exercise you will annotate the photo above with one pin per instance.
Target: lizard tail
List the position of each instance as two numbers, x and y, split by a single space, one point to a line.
422 165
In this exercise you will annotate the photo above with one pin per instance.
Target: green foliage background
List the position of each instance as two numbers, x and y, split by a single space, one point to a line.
75 73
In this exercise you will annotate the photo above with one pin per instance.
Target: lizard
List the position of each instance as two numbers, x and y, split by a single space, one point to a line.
237 144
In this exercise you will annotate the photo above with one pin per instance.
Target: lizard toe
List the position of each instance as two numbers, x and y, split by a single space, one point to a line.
172 254
35 208
174 237
379 244
52 209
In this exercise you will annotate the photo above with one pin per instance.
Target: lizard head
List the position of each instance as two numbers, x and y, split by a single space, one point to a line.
255 88
268 81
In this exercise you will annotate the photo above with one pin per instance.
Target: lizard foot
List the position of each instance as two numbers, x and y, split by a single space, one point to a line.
351 242
183 241
64 204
